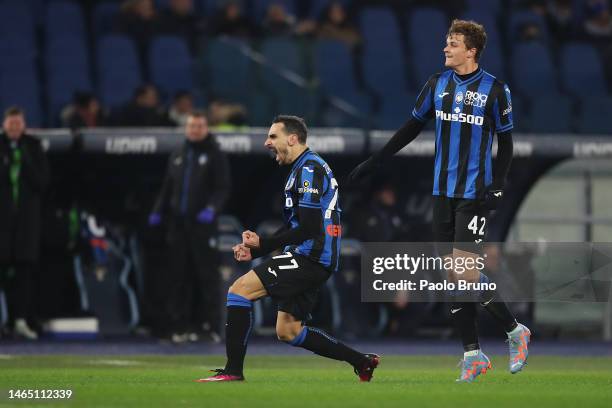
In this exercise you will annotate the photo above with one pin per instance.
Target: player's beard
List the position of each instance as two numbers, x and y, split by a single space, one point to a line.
281 155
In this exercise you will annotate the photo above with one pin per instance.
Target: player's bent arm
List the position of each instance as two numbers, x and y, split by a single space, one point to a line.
505 149
311 221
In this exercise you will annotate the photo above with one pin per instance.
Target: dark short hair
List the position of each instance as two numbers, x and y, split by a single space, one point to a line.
293 124
474 34
13 111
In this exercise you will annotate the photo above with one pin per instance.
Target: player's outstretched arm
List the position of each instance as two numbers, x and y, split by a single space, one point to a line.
401 138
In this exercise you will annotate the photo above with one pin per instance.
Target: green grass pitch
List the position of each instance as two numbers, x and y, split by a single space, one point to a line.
305 381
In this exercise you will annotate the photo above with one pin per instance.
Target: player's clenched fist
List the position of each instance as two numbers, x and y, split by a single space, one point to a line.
250 239
242 253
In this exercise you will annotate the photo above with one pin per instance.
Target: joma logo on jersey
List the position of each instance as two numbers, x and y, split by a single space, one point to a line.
308 190
460 117
475 99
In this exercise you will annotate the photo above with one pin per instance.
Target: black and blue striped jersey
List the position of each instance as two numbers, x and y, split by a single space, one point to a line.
311 184
467 113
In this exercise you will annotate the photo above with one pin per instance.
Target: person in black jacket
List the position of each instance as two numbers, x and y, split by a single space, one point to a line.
195 188
24 175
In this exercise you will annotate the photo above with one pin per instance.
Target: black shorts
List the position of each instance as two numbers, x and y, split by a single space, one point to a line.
459 223
293 281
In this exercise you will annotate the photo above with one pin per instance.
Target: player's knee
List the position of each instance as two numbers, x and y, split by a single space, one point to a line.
239 287
288 333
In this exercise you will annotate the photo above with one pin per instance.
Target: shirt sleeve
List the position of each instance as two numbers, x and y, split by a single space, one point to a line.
424 107
311 186
502 109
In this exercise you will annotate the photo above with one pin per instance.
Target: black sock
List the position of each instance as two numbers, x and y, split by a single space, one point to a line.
495 305
463 315
321 343
237 331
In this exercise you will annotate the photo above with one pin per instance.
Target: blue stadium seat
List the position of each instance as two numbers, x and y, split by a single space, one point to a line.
427 28
16 50
551 114
384 68
520 115
67 71
17 21
103 18
64 19
170 64
395 111
595 112
228 70
260 107
118 69
492 7
582 70
492 61
378 24
334 67
20 87
285 53
539 76
519 18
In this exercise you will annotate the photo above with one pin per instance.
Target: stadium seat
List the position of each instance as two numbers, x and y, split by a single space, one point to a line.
20 87
427 28
378 24
520 18
586 77
170 64
551 114
335 70
334 67
520 115
382 42
492 7
16 50
595 112
261 108
17 21
539 76
103 18
396 109
223 59
64 19
286 54
118 69
492 61
67 71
